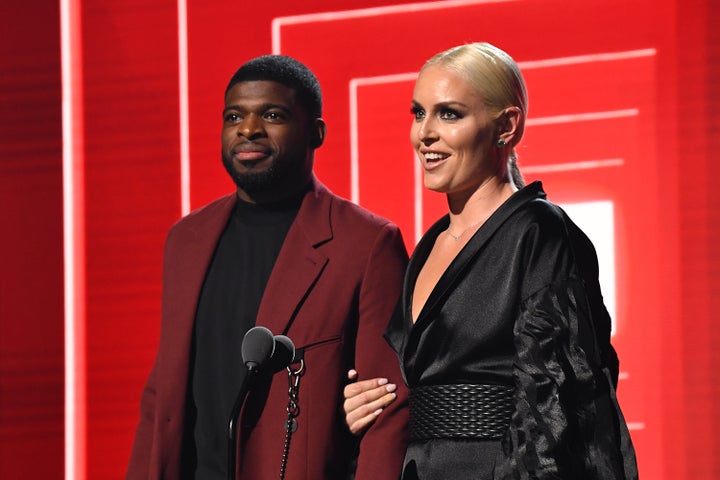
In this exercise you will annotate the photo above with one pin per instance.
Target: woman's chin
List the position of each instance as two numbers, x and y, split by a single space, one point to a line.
435 186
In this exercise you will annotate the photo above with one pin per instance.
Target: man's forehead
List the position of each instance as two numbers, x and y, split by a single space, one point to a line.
261 85
259 91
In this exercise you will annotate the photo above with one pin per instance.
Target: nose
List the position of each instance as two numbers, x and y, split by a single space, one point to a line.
425 131
251 127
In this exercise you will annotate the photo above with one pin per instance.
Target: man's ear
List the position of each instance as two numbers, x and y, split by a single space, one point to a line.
509 124
318 133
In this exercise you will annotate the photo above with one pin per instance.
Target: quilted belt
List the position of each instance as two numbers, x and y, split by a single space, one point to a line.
460 411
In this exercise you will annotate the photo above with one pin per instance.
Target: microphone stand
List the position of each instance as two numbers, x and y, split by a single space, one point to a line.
257 348
245 387
261 351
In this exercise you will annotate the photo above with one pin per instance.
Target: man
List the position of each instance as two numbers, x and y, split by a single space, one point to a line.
285 253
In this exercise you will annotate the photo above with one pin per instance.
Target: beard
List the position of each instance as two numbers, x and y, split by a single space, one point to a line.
286 174
255 182
260 181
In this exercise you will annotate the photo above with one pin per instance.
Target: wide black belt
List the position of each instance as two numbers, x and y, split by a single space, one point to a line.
460 411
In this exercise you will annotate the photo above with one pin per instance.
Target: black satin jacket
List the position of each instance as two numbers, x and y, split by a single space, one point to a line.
520 305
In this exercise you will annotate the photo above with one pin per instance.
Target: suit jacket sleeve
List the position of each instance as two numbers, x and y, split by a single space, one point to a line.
382 448
139 465
567 423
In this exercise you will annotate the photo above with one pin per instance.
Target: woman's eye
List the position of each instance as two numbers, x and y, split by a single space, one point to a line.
418 113
449 115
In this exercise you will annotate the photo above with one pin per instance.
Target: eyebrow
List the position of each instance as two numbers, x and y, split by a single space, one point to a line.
449 104
264 107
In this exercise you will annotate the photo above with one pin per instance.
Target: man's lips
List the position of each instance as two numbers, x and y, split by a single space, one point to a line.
250 153
249 156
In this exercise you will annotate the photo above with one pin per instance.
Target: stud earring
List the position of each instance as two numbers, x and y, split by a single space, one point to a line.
501 143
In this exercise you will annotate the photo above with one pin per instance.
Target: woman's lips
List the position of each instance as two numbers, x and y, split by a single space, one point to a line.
433 160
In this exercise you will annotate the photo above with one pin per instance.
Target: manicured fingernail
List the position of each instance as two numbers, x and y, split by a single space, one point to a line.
382 381
391 387
377 412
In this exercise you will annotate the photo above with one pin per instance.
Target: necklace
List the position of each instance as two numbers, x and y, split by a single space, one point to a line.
459 236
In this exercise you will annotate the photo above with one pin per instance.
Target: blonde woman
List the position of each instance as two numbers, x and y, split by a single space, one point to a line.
502 335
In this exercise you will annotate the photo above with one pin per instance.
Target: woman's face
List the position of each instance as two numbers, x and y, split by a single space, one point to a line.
452 133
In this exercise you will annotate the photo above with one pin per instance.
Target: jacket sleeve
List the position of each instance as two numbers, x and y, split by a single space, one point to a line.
382 447
567 423
139 465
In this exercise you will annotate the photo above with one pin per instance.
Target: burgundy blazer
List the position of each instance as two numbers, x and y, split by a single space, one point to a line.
333 289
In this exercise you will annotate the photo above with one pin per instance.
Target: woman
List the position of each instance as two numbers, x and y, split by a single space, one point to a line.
501 333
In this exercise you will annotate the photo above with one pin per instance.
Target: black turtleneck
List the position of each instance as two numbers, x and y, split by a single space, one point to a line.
227 308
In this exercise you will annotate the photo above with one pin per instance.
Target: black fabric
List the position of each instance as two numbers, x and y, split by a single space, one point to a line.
521 306
450 459
227 308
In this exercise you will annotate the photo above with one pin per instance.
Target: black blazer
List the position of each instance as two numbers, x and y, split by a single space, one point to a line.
521 306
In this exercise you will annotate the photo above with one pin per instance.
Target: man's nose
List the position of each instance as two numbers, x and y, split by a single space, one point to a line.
251 126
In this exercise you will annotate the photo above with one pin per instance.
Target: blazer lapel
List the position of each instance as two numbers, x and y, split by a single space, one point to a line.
192 259
457 267
417 260
299 264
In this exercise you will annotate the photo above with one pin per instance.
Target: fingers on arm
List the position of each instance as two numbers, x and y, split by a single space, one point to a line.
365 400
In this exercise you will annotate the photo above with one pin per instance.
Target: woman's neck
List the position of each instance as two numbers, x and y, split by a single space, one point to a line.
474 208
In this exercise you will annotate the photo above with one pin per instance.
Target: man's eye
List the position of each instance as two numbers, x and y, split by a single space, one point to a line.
232 117
274 116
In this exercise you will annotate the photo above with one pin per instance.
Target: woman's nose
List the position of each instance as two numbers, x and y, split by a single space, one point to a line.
426 132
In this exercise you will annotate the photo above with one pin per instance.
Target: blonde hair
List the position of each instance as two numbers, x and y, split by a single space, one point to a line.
497 78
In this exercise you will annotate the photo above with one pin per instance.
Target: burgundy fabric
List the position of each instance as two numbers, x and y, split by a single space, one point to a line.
332 291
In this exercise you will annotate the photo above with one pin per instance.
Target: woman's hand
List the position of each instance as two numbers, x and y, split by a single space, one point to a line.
365 400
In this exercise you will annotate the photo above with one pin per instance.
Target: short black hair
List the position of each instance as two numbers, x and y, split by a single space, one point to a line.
287 71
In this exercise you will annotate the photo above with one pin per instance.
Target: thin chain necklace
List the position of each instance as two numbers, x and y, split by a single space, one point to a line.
459 236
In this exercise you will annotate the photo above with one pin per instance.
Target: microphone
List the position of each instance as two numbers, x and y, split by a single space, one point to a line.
257 348
260 349
283 354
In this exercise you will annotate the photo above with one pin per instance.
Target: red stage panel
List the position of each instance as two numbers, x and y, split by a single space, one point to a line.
659 172
132 190
31 262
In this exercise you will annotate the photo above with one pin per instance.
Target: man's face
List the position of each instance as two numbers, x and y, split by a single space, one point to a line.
268 140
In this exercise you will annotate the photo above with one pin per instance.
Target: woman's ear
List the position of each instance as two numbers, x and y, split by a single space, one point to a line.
318 132
509 125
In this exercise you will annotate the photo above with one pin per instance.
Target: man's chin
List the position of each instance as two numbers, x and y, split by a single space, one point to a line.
249 176
255 182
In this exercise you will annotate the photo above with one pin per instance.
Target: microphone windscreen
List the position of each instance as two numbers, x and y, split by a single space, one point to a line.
257 347
283 354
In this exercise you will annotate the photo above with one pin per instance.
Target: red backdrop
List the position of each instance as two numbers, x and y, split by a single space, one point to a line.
623 109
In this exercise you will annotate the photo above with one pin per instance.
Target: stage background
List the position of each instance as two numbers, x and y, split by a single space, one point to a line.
110 117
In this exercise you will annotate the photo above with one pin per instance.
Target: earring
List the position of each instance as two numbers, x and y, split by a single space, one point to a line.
501 143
